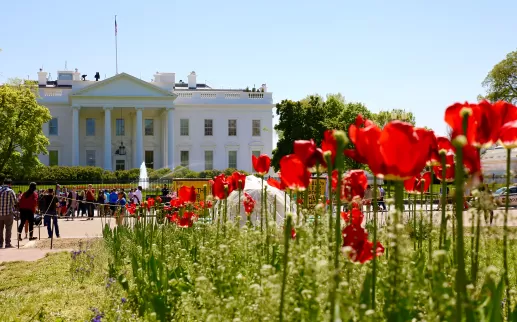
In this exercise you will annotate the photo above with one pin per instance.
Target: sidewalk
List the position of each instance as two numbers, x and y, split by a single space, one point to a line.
70 232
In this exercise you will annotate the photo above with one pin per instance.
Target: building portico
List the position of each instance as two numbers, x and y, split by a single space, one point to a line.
123 121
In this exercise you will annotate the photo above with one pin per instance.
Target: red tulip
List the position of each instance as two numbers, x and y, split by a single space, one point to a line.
355 237
355 131
261 164
484 123
238 181
449 173
471 160
293 233
397 152
131 208
150 203
454 118
357 216
366 253
187 220
354 184
418 184
218 189
248 203
294 173
187 194
404 149
277 184
329 143
309 153
508 135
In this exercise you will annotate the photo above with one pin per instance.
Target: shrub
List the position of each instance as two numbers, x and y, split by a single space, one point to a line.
95 174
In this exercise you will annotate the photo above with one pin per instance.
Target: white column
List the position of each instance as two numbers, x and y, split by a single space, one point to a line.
107 138
139 137
75 135
170 137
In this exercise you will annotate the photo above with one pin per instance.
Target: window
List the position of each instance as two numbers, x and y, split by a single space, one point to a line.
255 153
120 165
65 76
90 158
209 160
90 127
52 127
149 127
209 127
184 158
53 157
149 159
184 127
255 128
120 127
232 159
232 127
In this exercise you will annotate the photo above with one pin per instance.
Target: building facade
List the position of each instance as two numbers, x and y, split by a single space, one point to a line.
122 121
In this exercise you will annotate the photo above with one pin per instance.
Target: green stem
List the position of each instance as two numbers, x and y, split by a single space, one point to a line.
505 233
262 206
374 263
443 221
240 191
329 194
287 235
414 221
430 238
461 290
394 257
476 251
267 226
337 228
421 221
318 195
204 203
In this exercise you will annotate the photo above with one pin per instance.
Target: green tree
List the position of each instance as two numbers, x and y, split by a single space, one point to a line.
343 120
300 120
383 117
21 130
501 81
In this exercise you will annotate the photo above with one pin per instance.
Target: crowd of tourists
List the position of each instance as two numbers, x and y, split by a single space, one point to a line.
33 205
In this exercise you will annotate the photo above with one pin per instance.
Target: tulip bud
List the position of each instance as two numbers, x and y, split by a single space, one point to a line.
340 137
460 141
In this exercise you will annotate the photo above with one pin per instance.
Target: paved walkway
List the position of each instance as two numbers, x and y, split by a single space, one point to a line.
80 228
70 230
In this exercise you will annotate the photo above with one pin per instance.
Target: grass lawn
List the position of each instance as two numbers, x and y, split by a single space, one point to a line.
45 290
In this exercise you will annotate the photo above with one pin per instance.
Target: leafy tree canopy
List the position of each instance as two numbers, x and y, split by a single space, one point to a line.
501 81
383 117
21 130
310 117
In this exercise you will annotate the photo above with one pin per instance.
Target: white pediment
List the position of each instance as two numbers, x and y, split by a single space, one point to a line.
123 85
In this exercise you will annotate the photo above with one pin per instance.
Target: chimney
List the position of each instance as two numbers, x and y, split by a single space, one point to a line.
42 77
192 80
77 75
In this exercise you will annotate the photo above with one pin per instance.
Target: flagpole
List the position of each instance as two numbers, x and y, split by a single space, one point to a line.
116 47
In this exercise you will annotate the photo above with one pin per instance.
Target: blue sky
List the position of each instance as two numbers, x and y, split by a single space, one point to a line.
416 55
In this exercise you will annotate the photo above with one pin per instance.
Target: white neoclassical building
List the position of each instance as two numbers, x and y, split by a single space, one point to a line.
122 121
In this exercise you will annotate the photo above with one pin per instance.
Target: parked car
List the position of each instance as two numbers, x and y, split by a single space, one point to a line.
500 196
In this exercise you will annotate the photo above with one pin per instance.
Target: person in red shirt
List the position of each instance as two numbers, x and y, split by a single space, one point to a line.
28 204
90 199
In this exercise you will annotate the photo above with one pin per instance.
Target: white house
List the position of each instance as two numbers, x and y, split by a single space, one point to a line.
122 121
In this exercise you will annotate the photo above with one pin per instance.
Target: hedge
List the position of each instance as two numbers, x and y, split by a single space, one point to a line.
93 174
